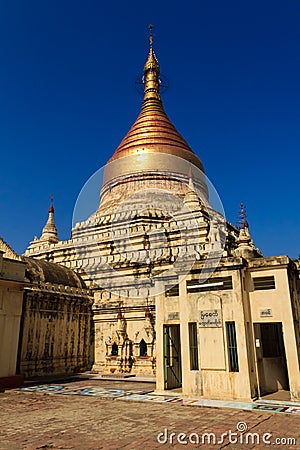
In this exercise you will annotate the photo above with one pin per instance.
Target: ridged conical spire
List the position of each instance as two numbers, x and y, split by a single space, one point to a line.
151 75
153 130
49 233
191 199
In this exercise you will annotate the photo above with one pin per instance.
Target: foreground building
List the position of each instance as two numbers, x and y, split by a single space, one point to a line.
12 282
235 336
45 319
178 292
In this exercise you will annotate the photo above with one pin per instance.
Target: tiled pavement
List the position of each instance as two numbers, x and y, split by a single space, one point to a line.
147 394
39 420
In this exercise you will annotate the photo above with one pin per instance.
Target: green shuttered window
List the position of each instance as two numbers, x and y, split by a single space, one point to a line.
232 347
193 341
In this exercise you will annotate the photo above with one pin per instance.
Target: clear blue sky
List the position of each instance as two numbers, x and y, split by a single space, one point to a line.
67 98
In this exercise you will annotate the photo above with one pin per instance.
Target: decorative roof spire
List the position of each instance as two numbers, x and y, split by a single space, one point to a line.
148 321
49 233
246 247
242 217
151 73
147 312
150 35
121 324
191 183
191 199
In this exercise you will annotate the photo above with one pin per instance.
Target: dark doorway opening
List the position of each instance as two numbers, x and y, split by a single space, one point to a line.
172 357
271 358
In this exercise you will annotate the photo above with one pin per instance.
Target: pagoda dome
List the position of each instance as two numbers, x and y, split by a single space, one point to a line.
152 144
153 132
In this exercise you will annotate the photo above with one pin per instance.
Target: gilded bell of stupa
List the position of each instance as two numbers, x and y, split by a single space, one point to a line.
153 144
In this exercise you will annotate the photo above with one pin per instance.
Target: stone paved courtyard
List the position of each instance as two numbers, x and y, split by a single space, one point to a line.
40 420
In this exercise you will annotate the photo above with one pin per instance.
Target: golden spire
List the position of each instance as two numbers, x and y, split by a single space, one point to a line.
153 132
151 73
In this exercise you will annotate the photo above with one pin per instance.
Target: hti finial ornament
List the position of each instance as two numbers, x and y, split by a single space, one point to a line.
51 208
151 35
242 217
152 66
